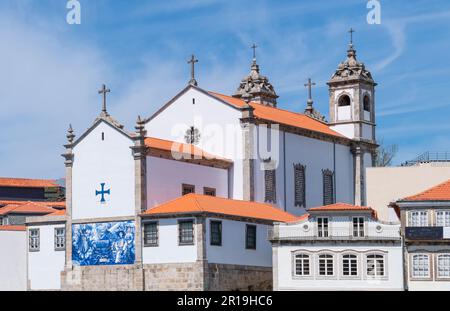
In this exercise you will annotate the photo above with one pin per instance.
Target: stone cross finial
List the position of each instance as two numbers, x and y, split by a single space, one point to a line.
309 85
192 61
70 135
351 31
104 91
139 125
253 47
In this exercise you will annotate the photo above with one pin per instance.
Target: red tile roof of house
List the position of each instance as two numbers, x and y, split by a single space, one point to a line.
55 204
27 183
12 228
281 116
340 207
440 192
196 203
29 207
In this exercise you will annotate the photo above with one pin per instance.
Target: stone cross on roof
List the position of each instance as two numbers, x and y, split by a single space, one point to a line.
351 31
253 47
309 85
192 61
104 91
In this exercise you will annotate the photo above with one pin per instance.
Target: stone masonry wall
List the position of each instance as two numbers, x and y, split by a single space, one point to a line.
238 278
100 278
174 276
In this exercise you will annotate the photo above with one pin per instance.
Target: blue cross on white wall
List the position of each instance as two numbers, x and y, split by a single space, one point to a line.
102 192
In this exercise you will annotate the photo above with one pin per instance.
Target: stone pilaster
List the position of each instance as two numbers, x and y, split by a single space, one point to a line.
202 263
69 159
358 167
140 166
248 137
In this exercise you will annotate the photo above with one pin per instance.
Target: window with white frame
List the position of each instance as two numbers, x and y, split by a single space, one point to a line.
358 227
418 218
322 227
60 239
34 240
420 266
443 266
302 265
151 234
349 265
326 265
186 232
375 265
443 218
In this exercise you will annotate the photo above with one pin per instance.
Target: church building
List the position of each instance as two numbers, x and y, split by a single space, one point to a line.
186 200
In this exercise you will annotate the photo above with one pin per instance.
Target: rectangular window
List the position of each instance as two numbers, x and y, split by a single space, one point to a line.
328 187
420 266
186 189
302 265
375 265
209 191
270 186
299 184
443 218
322 227
34 240
186 232
418 218
443 266
358 227
216 232
349 265
326 265
60 239
250 237
151 234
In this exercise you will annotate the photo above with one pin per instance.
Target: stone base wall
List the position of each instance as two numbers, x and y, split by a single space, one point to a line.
223 277
174 276
99 278
196 276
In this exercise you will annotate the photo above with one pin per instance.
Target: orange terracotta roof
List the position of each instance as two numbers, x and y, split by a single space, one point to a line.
58 213
281 116
12 228
27 183
27 208
340 207
440 192
55 204
184 149
196 203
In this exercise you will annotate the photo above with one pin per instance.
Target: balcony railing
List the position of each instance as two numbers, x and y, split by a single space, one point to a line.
429 157
424 233
297 233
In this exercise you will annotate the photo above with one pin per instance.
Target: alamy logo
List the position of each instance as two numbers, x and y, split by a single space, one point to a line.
74 15
374 15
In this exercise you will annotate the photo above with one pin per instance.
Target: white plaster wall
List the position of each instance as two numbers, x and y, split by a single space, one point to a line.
316 155
219 127
344 113
168 250
233 249
165 179
13 261
367 115
286 281
109 161
367 132
46 265
348 130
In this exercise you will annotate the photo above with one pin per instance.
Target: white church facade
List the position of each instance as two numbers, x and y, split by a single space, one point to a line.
186 201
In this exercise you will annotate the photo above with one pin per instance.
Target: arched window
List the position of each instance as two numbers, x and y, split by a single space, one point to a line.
367 103
349 265
444 266
326 265
375 265
344 100
302 264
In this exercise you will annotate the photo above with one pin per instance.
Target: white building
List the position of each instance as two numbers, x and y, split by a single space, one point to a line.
425 219
209 144
337 247
13 259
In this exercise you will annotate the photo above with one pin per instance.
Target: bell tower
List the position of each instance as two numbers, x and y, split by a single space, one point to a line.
352 98
352 113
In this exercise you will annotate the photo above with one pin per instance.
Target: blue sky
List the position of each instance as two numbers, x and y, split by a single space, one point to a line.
50 71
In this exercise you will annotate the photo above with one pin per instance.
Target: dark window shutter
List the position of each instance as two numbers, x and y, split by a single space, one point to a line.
300 185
